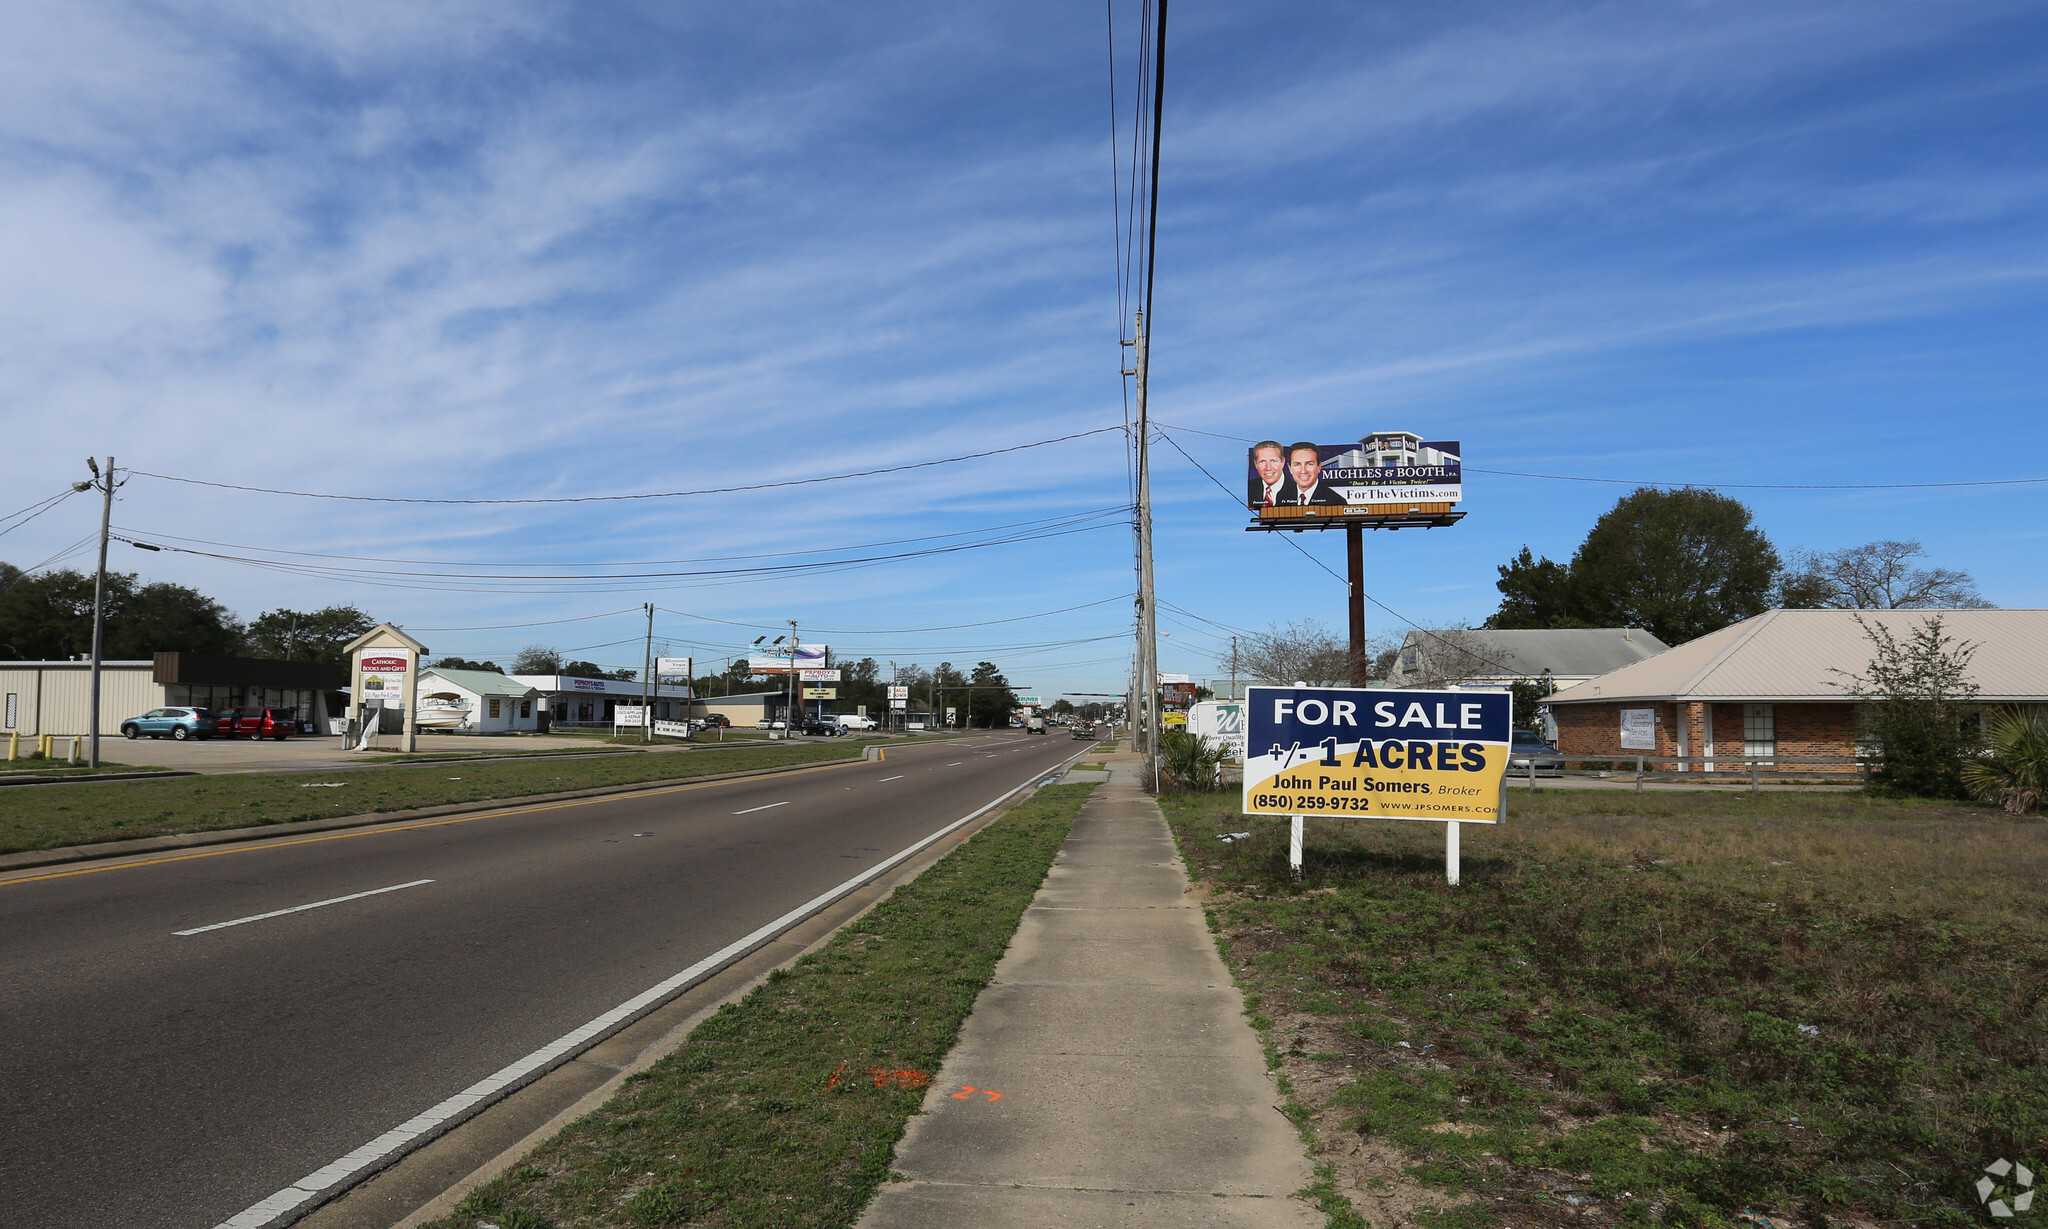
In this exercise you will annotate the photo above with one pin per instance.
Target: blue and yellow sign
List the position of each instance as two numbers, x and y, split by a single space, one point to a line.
1437 755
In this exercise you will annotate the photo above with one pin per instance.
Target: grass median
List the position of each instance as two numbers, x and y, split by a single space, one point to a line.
49 817
1667 1009
784 1108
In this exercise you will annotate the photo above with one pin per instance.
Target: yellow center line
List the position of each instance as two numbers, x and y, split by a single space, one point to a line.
381 830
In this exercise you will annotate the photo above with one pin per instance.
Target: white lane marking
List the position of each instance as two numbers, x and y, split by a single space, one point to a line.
282 1206
956 763
771 806
257 917
897 777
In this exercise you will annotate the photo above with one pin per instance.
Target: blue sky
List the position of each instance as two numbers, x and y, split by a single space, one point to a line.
502 250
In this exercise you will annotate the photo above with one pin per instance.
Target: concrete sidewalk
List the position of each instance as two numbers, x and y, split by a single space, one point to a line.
1107 1075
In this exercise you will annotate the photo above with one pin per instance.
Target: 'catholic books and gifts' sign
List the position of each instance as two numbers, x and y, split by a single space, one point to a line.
1386 754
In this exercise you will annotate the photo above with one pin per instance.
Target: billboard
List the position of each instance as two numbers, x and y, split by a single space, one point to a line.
672 667
1382 754
1385 468
775 659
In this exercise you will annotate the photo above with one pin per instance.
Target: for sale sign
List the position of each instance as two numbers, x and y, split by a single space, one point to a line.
1388 754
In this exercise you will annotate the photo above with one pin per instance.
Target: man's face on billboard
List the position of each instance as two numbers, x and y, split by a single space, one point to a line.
1267 461
1306 466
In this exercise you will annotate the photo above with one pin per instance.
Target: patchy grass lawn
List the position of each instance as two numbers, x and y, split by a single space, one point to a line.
1665 1009
784 1108
51 816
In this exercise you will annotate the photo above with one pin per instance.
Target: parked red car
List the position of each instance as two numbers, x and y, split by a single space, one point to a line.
272 723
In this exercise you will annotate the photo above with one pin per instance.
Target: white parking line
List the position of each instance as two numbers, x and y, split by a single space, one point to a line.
956 763
771 806
257 917
897 777
281 1206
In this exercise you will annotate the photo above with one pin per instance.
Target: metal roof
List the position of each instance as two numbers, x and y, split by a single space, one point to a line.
1793 655
481 682
1567 653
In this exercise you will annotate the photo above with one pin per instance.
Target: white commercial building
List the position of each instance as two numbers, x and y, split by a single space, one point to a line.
571 701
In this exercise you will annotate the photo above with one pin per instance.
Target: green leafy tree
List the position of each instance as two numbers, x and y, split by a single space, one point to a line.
48 617
1535 593
861 684
306 635
1923 709
591 670
1680 563
992 701
460 663
2015 774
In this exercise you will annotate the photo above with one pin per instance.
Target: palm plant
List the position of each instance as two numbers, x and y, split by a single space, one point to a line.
1191 760
2015 772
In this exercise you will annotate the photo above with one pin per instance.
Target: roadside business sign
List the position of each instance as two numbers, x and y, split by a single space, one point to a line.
899 705
1431 755
672 667
819 676
384 672
821 693
899 691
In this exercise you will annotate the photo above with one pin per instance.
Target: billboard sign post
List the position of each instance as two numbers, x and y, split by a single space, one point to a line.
1426 755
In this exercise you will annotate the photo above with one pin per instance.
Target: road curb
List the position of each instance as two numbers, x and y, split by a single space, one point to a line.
33 858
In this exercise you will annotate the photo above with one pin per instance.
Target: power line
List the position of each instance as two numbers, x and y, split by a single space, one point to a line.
1732 486
35 510
585 499
906 631
1064 518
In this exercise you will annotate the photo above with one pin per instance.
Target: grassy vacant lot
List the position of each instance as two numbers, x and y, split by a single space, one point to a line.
51 816
1680 1009
784 1108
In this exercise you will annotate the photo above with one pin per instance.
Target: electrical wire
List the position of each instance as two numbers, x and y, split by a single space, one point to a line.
906 631
587 499
1064 518
34 510
472 582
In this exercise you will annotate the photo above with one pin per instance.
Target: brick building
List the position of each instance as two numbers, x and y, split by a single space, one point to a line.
1777 686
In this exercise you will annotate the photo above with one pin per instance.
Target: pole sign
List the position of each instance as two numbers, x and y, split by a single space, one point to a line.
1433 755
672 667
899 691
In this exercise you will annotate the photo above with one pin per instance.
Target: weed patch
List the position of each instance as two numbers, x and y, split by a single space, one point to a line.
784 1108
1679 1010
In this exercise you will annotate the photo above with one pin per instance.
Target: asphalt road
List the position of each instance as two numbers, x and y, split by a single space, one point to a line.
150 1078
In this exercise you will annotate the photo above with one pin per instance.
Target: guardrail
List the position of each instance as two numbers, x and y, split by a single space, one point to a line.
1710 766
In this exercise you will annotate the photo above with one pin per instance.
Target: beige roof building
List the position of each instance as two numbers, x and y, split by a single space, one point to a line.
1790 656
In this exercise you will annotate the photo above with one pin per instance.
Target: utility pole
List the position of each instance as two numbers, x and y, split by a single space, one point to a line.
1148 625
647 688
1233 667
790 726
1148 628
105 482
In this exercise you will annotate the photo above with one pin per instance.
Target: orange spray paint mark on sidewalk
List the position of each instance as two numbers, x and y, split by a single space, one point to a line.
967 1092
899 1079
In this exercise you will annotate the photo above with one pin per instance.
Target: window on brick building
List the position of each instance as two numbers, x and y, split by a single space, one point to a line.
1759 731
1868 745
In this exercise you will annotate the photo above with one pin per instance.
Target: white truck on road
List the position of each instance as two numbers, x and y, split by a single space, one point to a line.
854 721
